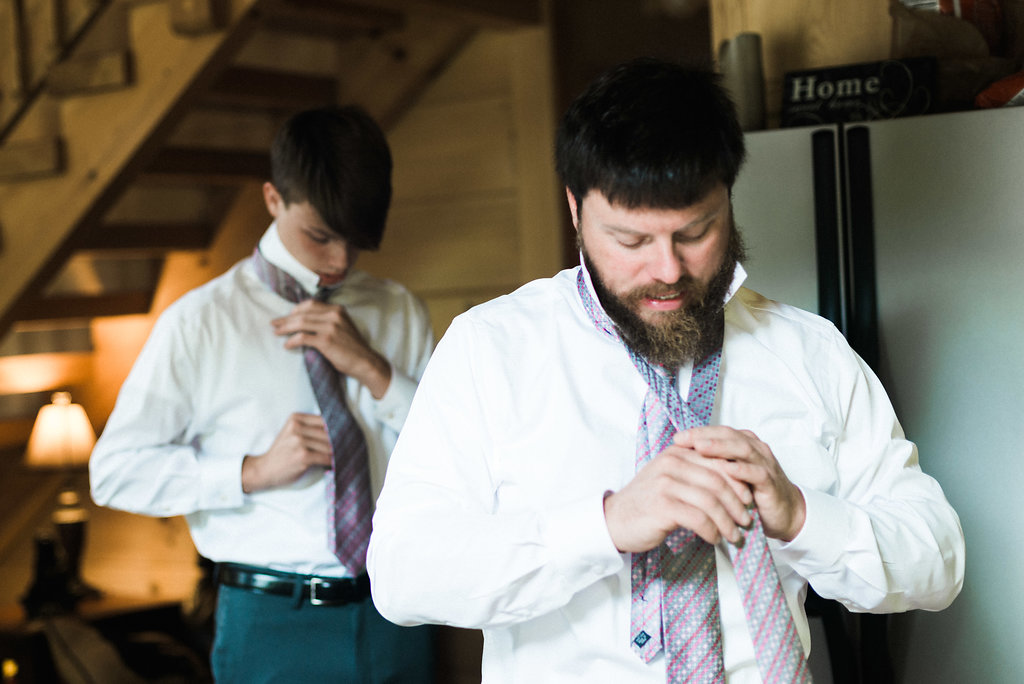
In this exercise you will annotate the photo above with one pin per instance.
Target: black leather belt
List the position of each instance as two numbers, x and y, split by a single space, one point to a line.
320 591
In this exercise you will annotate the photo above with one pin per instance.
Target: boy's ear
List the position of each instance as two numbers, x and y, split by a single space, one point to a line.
272 198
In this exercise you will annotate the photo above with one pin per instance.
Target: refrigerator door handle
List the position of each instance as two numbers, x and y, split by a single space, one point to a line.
826 227
863 335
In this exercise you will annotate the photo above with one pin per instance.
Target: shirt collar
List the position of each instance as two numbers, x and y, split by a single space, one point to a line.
739 276
276 253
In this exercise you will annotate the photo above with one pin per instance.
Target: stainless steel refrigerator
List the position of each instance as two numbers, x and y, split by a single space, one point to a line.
909 235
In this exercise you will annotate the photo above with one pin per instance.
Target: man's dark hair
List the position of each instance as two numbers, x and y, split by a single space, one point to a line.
650 133
338 160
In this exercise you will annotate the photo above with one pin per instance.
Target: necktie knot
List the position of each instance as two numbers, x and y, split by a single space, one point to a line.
278 280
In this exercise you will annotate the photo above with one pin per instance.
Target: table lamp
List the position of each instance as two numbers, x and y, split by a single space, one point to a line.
62 439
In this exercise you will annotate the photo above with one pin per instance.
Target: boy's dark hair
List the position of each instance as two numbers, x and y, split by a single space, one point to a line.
649 133
338 160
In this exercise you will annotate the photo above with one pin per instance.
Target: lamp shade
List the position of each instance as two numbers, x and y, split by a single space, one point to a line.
62 436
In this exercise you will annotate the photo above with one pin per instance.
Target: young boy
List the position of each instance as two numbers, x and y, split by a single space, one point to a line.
266 395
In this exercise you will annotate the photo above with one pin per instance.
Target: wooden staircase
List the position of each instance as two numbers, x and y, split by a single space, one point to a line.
128 127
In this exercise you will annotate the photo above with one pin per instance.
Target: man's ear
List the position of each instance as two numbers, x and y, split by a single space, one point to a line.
573 209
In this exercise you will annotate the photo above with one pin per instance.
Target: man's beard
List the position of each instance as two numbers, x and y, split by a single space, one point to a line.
678 337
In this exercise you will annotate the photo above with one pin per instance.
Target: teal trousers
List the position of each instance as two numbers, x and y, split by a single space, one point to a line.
268 639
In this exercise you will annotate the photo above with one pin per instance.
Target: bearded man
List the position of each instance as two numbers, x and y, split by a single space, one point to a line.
631 471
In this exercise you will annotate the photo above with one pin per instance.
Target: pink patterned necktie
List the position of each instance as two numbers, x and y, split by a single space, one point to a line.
348 491
675 586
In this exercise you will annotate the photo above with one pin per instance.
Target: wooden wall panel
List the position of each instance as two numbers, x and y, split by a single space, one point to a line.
385 74
445 307
438 247
454 148
476 208
542 208
465 79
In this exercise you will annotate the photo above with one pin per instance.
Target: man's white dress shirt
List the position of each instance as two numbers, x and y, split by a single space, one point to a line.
213 383
492 511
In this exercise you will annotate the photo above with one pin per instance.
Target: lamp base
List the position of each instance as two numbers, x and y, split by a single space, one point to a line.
71 535
50 592
57 585
82 590
70 520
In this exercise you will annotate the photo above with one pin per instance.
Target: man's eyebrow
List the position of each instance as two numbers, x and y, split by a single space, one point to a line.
707 216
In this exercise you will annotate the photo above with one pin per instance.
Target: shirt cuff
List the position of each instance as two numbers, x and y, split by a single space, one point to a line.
393 407
220 483
821 542
581 548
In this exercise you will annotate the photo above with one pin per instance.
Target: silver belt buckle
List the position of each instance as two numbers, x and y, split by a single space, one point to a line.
315 600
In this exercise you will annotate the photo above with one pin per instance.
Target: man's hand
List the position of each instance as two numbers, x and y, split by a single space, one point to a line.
329 329
301 444
742 457
678 488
